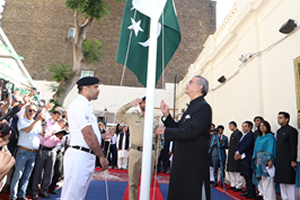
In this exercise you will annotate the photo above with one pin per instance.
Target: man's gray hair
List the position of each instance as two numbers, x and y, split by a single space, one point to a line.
202 81
29 106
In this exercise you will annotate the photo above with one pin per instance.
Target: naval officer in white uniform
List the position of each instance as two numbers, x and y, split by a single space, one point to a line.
85 140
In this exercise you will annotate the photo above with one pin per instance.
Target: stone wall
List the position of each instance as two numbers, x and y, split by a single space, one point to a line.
38 30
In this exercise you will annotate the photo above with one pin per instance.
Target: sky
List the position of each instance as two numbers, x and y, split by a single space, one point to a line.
223 7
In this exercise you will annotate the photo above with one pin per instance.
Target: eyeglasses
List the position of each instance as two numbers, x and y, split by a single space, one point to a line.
30 110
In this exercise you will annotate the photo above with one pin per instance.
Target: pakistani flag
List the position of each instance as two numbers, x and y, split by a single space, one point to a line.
135 32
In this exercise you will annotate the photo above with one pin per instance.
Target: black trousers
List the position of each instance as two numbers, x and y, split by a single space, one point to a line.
247 174
216 165
58 170
164 158
113 152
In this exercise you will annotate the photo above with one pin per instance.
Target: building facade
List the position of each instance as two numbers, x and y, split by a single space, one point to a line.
38 29
260 64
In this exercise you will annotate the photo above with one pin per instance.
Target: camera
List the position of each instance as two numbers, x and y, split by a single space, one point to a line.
4 89
216 131
4 129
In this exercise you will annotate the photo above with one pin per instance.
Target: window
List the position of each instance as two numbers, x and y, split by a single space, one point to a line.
72 33
86 73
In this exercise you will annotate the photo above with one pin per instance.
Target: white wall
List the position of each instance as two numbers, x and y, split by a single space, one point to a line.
113 97
264 85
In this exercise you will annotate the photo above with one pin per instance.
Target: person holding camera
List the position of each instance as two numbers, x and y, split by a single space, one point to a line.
28 145
219 144
7 161
46 156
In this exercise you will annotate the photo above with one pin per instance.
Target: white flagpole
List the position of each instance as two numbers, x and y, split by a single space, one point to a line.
148 124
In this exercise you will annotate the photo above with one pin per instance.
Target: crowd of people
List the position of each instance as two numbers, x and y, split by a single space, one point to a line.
37 140
266 160
39 136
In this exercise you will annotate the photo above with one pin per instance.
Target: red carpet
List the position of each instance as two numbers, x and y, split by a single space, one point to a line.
122 176
158 195
230 193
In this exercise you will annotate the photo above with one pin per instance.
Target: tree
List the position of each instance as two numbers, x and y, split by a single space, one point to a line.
92 10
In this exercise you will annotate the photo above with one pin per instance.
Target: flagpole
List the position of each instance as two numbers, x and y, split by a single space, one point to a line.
149 112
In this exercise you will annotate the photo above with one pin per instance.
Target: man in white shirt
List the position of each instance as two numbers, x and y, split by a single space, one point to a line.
85 140
28 145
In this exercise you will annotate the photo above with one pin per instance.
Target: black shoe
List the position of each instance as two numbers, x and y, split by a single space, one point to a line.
237 190
35 197
215 185
250 196
230 188
53 192
46 196
245 194
258 197
211 182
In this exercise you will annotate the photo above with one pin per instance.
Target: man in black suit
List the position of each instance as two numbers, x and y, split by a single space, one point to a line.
218 153
233 166
244 153
286 155
189 177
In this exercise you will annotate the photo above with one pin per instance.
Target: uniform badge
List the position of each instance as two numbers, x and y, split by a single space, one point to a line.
87 118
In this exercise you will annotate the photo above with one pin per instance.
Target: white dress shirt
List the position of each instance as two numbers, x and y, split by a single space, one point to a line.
80 116
29 140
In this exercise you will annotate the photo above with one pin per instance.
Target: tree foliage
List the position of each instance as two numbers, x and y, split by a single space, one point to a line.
92 51
92 8
83 51
60 73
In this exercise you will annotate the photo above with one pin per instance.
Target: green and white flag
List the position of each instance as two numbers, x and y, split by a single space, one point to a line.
134 40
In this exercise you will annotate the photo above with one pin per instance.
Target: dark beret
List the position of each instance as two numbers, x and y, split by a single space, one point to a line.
88 80
143 99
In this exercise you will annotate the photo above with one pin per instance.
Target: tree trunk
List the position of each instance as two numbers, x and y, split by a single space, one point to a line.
78 58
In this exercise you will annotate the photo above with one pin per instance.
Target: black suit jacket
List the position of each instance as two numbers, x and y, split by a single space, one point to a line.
246 146
232 165
190 169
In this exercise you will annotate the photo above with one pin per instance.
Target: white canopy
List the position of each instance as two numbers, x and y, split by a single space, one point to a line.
11 66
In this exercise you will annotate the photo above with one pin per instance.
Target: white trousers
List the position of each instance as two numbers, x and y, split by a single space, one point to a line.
267 188
79 168
236 180
287 191
122 162
297 193
260 189
212 178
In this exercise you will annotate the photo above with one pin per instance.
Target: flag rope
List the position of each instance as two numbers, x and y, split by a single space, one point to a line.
128 47
121 84
163 52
